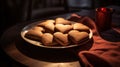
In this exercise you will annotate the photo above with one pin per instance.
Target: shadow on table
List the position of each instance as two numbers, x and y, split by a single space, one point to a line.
52 55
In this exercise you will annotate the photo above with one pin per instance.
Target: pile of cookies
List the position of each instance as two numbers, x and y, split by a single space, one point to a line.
58 32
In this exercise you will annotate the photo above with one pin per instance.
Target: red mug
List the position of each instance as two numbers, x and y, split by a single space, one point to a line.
103 18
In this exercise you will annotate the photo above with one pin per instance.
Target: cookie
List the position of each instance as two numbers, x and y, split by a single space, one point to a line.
34 35
63 28
45 22
61 38
77 36
49 27
47 39
80 27
37 28
62 21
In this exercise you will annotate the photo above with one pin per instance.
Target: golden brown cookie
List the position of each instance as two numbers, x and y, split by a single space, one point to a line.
80 27
62 21
63 28
45 22
78 37
34 35
49 27
47 39
61 38
38 28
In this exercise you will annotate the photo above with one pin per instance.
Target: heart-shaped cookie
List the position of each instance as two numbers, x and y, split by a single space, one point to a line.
77 37
80 27
45 22
49 27
62 21
63 28
61 38
38 28
34 35
47 39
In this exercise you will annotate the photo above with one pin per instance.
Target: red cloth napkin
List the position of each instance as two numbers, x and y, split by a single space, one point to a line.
103 53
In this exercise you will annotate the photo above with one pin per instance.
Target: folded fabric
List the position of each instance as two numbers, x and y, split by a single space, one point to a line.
103 53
